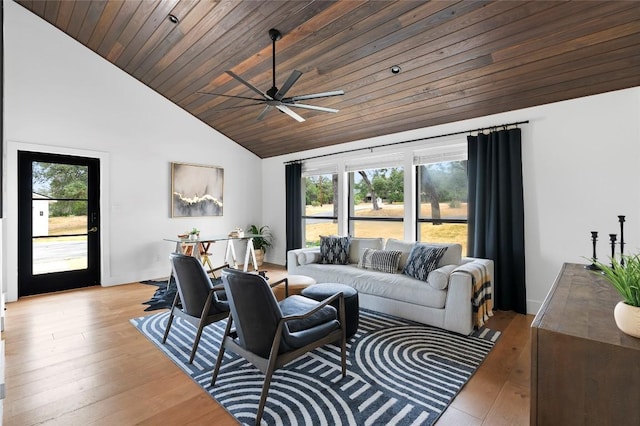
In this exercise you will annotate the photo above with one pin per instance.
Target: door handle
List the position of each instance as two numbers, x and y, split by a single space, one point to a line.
94 229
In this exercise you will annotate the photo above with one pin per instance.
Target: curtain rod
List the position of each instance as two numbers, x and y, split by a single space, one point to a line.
482 129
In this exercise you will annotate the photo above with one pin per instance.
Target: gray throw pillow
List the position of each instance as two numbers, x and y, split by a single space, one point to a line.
422 260
334 250
380 260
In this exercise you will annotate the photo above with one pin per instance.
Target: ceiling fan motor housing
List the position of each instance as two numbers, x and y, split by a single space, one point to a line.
272 92
274 34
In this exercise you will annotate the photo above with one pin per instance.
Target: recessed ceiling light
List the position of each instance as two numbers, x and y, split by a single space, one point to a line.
174 19
396 69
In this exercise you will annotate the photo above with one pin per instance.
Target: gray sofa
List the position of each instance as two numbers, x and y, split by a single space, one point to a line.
444 300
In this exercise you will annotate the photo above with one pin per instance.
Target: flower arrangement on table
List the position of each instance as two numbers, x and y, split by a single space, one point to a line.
190 235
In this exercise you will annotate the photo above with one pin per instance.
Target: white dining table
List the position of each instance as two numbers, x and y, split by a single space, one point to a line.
199 248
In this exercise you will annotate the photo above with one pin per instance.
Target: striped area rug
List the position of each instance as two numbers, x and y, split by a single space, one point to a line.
398 373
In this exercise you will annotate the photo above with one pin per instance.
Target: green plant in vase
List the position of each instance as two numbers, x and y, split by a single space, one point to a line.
193 234
264 240
624 276
261 241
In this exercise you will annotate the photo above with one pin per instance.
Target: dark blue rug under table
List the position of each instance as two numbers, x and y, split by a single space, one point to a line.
398 372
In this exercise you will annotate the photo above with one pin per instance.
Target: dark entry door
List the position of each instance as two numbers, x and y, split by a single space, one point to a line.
58 222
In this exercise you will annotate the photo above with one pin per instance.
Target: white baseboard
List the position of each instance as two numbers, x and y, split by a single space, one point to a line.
533 306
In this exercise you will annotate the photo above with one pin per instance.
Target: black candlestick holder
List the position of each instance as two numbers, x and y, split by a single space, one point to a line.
594 258
621 220
612 240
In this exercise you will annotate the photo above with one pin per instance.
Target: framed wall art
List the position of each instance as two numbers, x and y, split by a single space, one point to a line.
196 190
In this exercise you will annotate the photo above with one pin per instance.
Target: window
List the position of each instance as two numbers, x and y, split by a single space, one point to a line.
442 202
321 207
430 205
376 203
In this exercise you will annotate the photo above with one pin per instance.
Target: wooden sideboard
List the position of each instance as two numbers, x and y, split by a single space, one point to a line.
584 370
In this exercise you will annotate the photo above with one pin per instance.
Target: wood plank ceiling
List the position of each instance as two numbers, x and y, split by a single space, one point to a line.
458 59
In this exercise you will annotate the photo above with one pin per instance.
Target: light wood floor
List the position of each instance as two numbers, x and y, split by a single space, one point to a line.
72 358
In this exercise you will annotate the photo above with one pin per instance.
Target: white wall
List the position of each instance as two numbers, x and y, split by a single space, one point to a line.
581 170
61 97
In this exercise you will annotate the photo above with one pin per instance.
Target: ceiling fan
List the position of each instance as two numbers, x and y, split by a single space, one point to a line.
275 97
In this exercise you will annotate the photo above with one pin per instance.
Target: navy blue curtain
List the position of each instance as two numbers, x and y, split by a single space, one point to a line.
496 213
293 192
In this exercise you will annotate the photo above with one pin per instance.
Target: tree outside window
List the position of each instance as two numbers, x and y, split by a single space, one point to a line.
443 192
377 203
321 207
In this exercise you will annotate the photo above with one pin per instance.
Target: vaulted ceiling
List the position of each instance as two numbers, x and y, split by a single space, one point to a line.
458 59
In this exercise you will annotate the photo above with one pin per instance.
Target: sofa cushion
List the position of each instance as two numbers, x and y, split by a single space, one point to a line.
422 260
391 286
403 246
309 256
439 278
358 244
380 260
334 250
453 255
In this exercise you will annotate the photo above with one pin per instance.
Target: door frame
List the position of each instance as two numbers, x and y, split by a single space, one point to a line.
10 222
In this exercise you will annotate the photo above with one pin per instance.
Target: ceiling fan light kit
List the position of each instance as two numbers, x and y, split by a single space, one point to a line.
275 97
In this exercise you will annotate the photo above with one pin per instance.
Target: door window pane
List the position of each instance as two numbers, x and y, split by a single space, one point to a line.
60 224
59 217
59 254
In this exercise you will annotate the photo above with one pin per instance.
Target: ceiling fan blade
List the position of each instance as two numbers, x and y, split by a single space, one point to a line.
295 75
249 85
290 113
313 107
230 96
314 96
263 113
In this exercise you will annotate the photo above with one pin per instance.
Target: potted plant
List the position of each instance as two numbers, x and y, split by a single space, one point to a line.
190 235
261 242
194 234
624 276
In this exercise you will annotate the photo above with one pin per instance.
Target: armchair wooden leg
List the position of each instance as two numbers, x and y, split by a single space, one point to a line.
196 342
173 306
343 339
344 356
166 331
201 324
216 369
265 390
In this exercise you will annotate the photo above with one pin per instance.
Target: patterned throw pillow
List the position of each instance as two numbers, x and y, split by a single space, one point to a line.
422 260
334 250
380 260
